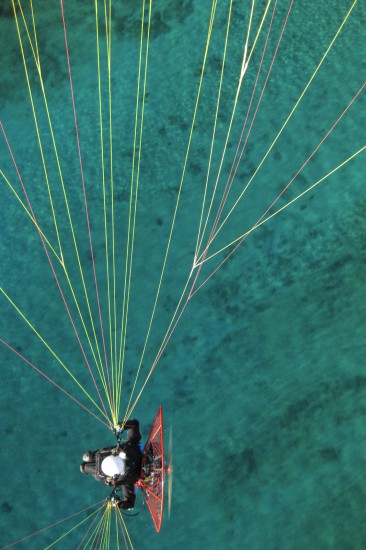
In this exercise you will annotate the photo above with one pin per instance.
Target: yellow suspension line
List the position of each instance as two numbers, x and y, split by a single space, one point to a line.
104 532
137 188
285 206
104 198
67 207
73 528
287 119
129 411
210 27
59 259
102 539
99 368
51 351
132 225
100 364
245 64
92 538
31 217
129 268
108 33
213 141
34 28
98 529
37 130
64 190
109 54
108 533
121 361
116 526
245 61
118 511
109 530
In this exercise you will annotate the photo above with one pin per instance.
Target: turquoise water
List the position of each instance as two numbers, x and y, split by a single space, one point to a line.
263 380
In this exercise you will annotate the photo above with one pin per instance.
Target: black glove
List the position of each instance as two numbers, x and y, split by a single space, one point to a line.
125 505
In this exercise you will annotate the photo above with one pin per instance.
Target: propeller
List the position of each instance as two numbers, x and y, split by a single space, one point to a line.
169 470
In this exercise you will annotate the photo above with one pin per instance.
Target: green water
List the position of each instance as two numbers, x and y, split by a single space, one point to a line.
263 381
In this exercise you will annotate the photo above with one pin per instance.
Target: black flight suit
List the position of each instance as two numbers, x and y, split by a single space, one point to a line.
132 473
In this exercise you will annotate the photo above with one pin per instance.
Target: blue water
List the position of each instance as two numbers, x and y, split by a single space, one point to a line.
263 381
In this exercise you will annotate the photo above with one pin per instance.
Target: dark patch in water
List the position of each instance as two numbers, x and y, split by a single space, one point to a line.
122 196
215 62
238 467
341 262
317 401
6 10
330 453
158 25
249 461
178 120
6 507
195 168
127 23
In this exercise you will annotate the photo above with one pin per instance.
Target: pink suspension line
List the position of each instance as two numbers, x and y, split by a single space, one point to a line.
89 529
97 542
192 292
221 206
123 528
252 96
52 525
85 199
282 192
52 267
227 186
229 183
52 381
158 357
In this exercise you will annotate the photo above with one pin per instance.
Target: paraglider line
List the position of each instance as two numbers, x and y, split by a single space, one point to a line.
53 270
260 221
88 530
52 525
85 199
229 183
52 381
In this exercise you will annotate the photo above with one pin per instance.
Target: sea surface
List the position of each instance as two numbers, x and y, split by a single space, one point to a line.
263 380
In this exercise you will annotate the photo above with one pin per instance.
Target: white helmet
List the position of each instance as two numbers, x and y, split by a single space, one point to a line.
113 466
